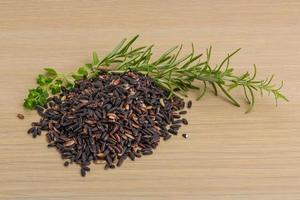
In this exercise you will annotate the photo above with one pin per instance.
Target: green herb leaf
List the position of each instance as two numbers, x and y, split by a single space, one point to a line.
95 58
50 72
82 71
77 76
43 80
58 81
55 88
29 103
37 96
69 85
89 65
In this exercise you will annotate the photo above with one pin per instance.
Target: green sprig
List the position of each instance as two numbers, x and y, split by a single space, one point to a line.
49 83
178 74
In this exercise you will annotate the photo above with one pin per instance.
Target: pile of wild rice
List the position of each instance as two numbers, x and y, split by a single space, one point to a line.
109 118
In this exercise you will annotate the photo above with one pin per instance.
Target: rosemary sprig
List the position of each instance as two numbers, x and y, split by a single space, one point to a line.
171 71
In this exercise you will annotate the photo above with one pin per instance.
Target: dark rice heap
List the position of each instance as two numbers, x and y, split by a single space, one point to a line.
109 118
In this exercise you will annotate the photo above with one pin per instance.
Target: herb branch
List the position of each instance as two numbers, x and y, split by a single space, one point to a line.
178 74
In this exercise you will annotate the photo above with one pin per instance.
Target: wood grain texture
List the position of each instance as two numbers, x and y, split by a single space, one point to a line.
229 155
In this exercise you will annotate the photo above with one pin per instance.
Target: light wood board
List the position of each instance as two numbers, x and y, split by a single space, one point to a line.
229 155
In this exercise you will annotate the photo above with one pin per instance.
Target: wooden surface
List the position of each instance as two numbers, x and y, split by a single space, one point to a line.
229 155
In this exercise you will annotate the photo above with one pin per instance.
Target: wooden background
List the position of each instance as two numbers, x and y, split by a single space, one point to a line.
229 155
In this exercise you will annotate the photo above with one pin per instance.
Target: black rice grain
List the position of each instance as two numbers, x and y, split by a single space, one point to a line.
189 104
82 172
185 122
20 116
108 119
183 112
172 131
148 152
